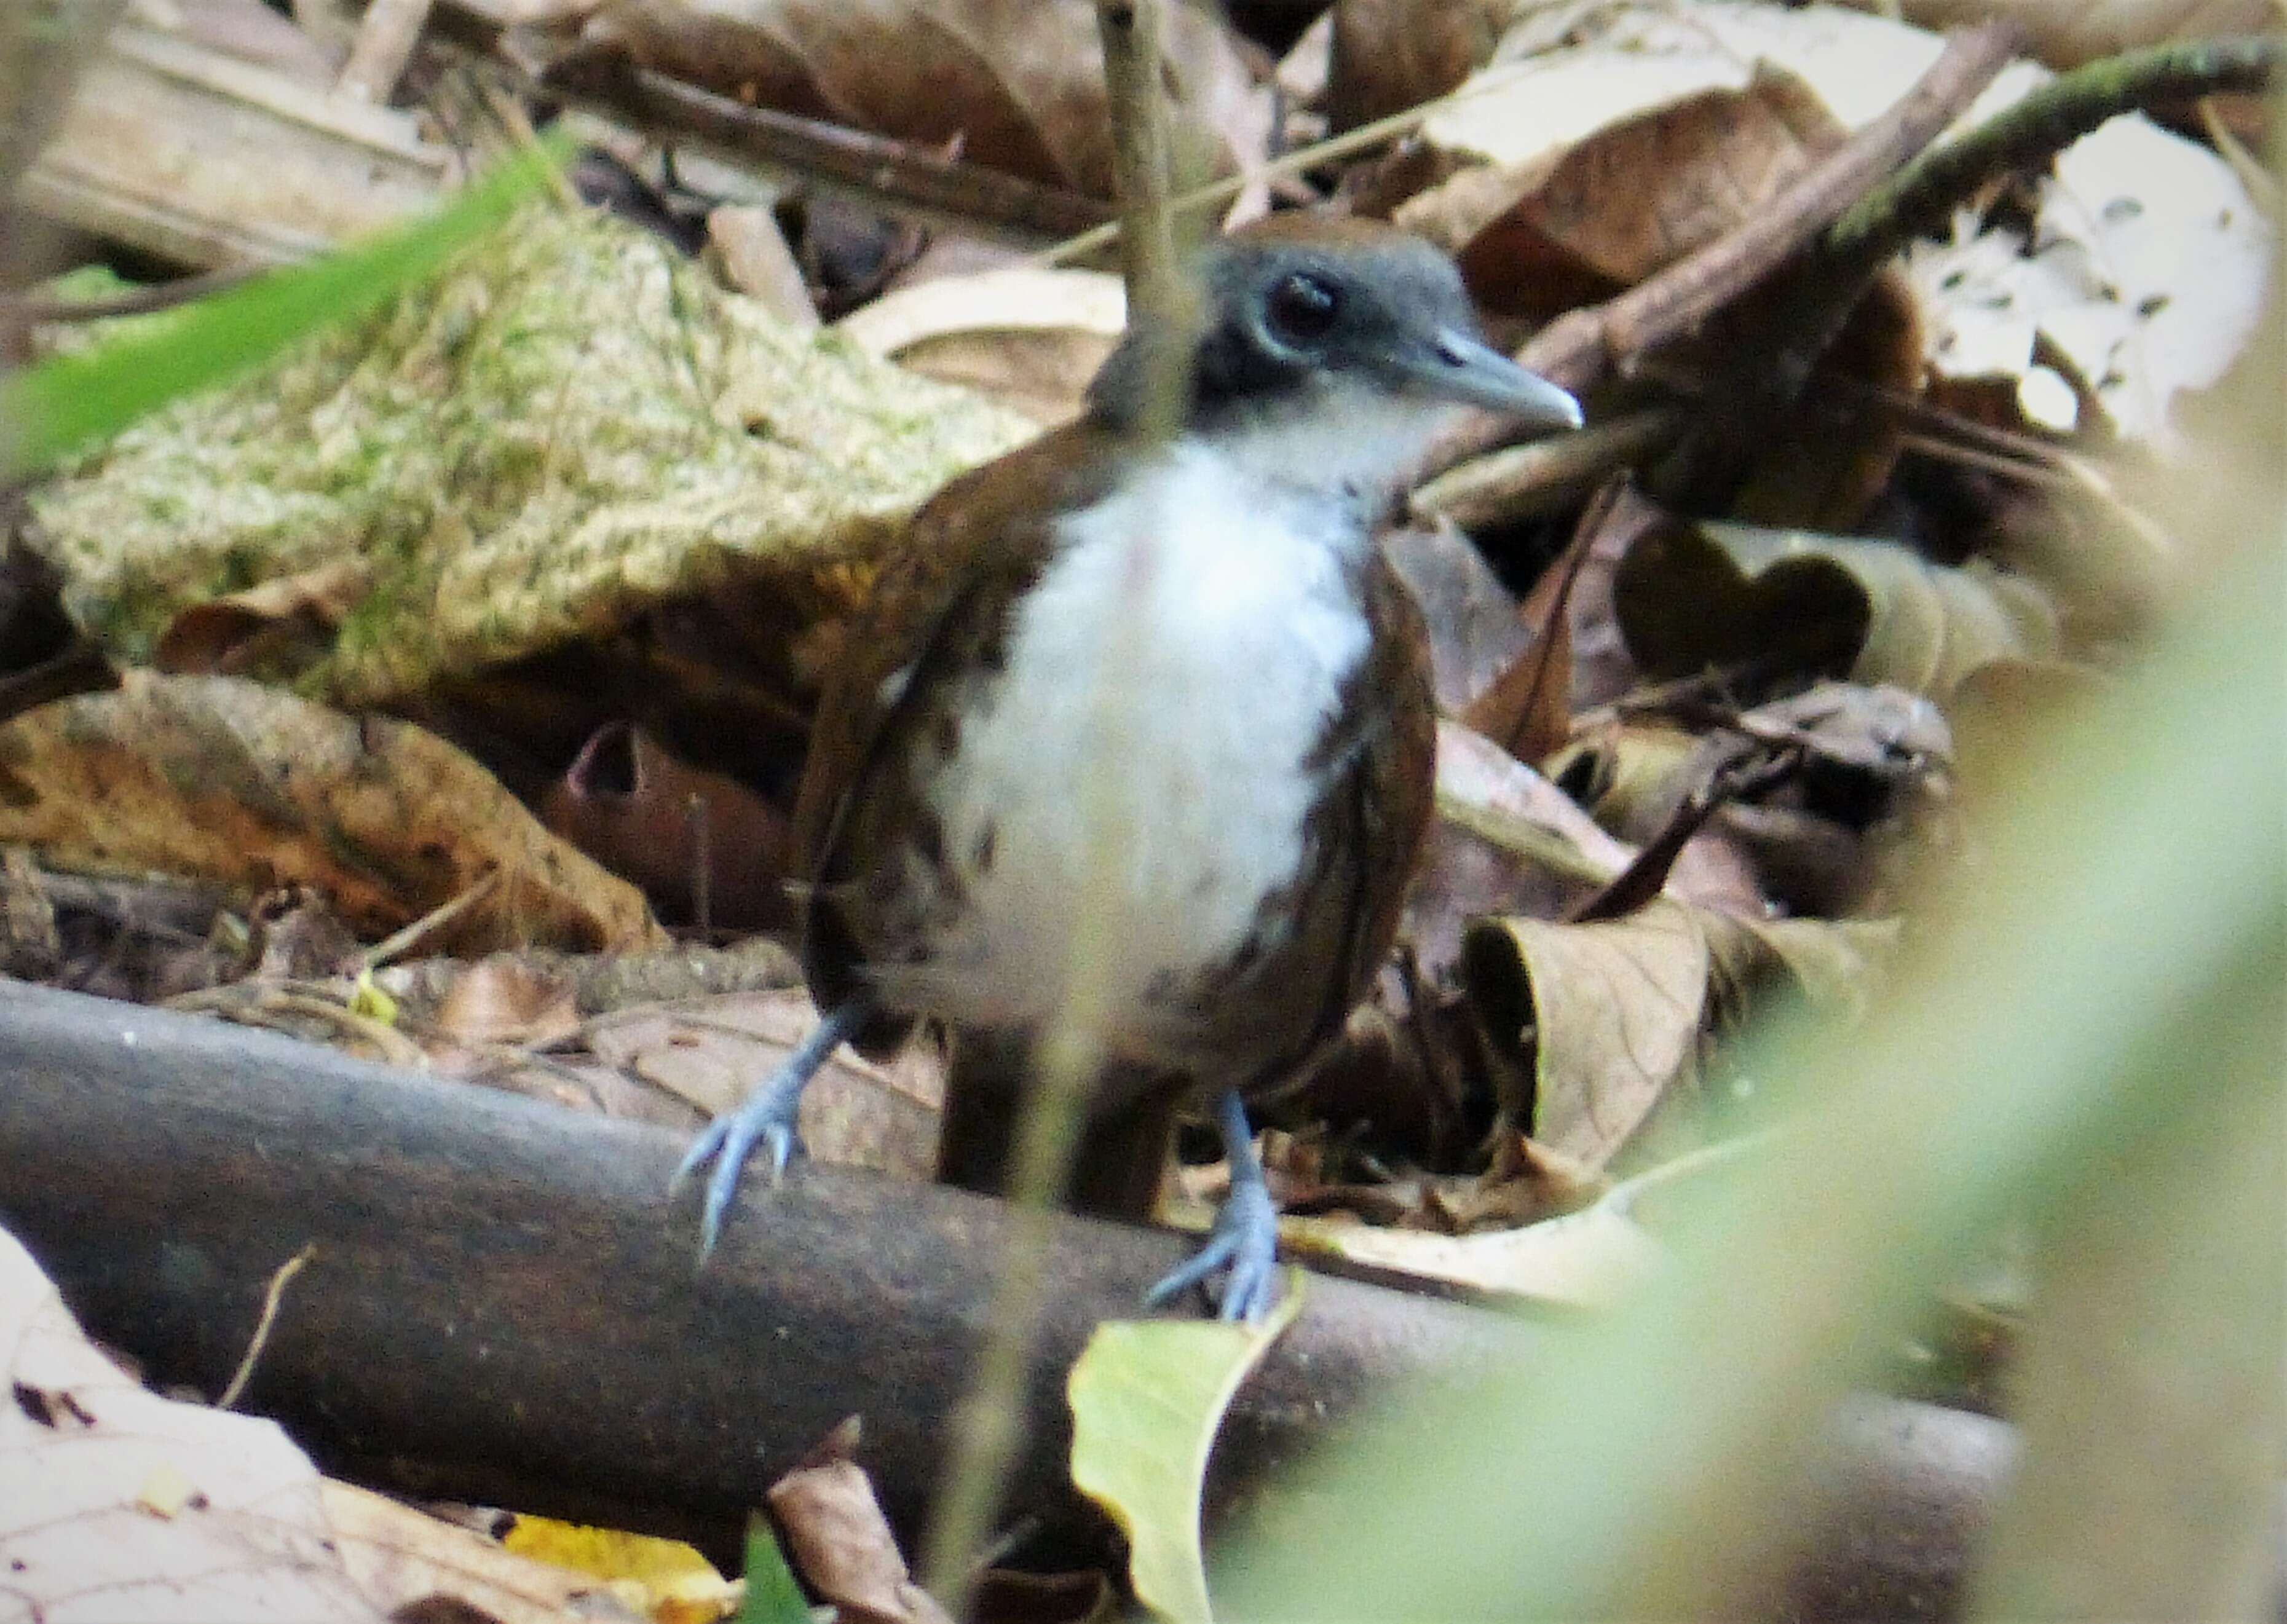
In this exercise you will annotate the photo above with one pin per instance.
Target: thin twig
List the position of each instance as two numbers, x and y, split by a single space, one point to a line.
271 1299
1201 199
1582 348
1522 482
986 1433
394 945
1920 197
892 175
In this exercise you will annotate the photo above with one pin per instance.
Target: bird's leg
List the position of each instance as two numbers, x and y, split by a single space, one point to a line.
1245 1239
765 1118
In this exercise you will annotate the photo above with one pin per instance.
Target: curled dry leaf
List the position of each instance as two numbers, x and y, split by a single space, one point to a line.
119 1506
572 426
272 630
219 779
1616 1014
839 1540
1563 175
1017 83
1692 596
685 835
1028 337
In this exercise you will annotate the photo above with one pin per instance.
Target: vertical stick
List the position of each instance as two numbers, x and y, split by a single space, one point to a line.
1070 1052
385 44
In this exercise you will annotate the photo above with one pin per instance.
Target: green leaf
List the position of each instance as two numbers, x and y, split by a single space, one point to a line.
52 409
773 1595
1147 1396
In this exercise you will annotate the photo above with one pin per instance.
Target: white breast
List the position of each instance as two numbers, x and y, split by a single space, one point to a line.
1176 662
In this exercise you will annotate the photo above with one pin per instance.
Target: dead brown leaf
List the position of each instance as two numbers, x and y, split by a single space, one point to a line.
272 630
1691 596
700 844
1536 233
1019 83
1616 1014
216 778
839 1540
1389 55
1030 336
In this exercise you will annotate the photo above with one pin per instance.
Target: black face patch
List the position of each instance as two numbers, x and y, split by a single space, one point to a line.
1284 315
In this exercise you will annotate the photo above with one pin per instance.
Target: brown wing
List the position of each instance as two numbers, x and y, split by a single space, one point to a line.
1393 782
1364 838
940 607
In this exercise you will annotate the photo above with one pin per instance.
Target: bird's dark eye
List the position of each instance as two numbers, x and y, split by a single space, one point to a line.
1303 308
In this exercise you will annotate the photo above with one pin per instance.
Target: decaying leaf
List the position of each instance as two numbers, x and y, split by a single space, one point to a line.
281 626
1616 1014
572 426
119 1506
665 1581
2067 33
1537 233
1017 83
698 843
1692 597
839 1540
1582 157
219 779
1389 55
1147 1396
406 1560
2144 274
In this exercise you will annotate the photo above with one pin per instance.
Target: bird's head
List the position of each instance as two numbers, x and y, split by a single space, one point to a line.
1330 353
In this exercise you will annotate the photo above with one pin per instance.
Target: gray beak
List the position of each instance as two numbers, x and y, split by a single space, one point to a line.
1458 367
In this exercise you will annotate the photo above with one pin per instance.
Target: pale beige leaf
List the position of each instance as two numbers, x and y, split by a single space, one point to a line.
399 1555
120 1507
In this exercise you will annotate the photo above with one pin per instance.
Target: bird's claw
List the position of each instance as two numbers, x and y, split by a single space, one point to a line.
1244 1245
766 1122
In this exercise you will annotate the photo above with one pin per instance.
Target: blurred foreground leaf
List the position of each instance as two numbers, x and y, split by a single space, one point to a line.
1147 1396
57 407
773 1596
2116 969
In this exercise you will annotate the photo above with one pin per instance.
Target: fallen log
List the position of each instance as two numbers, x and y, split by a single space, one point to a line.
503 1305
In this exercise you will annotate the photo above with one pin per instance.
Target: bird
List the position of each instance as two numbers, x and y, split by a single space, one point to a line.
1267 756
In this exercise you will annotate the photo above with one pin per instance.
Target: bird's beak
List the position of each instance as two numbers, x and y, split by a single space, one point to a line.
1458 367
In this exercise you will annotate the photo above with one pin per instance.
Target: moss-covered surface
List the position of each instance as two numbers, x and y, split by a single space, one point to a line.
570 427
